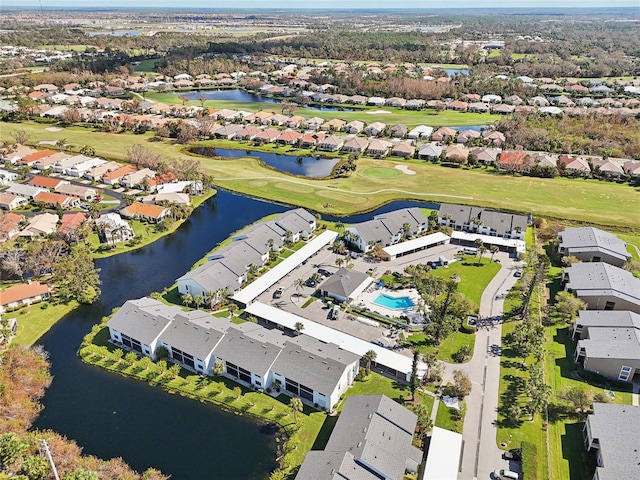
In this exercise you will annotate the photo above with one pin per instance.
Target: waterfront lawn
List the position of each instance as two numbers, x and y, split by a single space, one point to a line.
34 321
450 418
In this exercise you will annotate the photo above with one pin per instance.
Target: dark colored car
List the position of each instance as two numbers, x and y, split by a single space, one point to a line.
324 273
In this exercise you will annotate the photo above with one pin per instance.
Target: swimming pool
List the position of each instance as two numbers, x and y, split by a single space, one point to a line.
394 303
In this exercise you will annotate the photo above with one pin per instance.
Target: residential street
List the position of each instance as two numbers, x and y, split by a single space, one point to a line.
481 455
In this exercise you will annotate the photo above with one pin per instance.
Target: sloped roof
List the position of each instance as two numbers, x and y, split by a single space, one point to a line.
344 282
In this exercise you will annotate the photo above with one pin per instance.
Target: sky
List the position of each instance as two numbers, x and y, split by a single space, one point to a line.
326 4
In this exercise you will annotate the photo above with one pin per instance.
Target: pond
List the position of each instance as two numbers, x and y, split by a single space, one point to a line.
240 95
311 167
112 416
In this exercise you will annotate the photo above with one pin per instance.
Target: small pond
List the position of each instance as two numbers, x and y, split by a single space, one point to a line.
312 167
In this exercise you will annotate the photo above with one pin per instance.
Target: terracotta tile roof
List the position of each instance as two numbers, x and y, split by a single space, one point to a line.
10 221
45 182
161 179
23 291
37 156
119 172
71 221
145 210
512 158
53 198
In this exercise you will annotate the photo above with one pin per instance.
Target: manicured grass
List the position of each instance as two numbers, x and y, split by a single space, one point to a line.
447 349
66 48
445 419
632 238
34 321
381 172
377 384
474 275
572 199
146 65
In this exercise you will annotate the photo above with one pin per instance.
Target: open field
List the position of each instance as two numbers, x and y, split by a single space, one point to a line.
66 48
589 201
447 118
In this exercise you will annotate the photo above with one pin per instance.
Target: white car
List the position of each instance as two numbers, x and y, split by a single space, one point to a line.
502 474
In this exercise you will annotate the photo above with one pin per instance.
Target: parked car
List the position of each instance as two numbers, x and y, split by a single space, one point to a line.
278 293
324 273
518 273
502 474
310 282
375 341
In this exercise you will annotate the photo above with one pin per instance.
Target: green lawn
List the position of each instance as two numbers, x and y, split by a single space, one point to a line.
145 65
474 275
445 419
572 199
34 321
378 384
381 172
447 349
66 48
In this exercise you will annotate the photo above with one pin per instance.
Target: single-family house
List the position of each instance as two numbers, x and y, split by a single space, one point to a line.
32 158
289 137
444 133
415 104
7 176
486 156
70 222
113 177
354 127
458 106
465 135
398 131
314 123
10 226
430 151
136 178
376 101
228 131
63 166
97 172
602 286
379 148
82 192
375 129
575 165
479 107
503 109
610 434
420 131
40 225
590 244
145 211
310 140
49 161
47 182
295 121
11 202
79 169
513 159
333 125
23 294
355 145
331 143
16 153
456 153
268 135
56 199
113 229
495 137
490 98
608 343
170 197
404 149
395 102
372 439
23 190
247 133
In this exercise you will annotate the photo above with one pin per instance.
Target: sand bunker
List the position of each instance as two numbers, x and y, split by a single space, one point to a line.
405 169
374 112
53 129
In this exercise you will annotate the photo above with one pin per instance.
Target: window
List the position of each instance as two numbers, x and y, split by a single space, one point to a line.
232 369
182 357
609 305
131 343
625 373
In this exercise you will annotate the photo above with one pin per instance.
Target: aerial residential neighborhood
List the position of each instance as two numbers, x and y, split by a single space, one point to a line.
354 241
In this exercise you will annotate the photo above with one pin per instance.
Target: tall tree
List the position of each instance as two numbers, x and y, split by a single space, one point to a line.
368 357
76 277
296 406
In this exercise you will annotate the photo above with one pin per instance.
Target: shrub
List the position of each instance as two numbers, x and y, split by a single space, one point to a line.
44 306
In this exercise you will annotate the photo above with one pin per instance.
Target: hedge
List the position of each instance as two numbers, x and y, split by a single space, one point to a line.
529 461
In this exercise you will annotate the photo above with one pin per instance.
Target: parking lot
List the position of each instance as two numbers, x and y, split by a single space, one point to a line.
294 298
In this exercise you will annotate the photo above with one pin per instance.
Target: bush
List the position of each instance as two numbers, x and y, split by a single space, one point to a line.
44 306
530 460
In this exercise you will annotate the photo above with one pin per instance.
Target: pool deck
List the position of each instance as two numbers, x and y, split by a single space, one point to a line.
368 297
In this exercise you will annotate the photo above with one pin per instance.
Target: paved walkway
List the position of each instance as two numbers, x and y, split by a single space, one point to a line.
481 454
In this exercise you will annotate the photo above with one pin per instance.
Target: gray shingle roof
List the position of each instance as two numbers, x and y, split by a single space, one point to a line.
608 318
190 337
371 440
599 278
612 343
344 282
616 428
589 239
143 319
252 352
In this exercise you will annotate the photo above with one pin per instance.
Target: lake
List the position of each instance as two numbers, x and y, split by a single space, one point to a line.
112 416
312 167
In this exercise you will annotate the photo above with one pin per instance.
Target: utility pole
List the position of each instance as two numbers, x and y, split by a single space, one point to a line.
44 449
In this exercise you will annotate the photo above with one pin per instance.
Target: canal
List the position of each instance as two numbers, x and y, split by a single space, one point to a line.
112 416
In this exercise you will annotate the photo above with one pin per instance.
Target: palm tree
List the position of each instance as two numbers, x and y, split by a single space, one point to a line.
198 300
494 249
187 299
253 319
299 326
299 283
62 144
406 229
210 297
295 405
88 150
339 226
233 308
482 250
339 262
369 357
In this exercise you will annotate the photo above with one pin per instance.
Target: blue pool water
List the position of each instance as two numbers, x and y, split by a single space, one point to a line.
394 303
